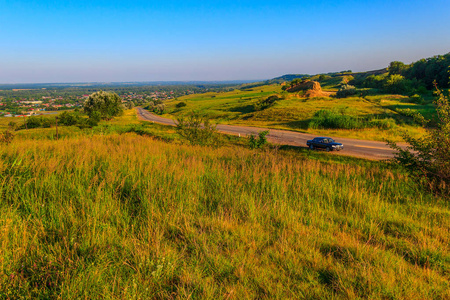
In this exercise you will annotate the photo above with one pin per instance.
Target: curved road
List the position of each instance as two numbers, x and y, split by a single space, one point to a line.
352 147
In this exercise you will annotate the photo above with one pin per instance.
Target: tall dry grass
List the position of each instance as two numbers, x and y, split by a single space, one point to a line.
125 216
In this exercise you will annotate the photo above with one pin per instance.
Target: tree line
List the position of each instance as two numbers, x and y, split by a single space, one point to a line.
415 78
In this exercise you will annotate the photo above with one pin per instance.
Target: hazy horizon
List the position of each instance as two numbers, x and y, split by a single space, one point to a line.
145 41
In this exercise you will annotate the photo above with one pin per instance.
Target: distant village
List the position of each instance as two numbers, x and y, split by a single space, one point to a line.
16 106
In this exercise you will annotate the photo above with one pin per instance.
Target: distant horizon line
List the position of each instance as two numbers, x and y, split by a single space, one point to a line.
173 81
133 82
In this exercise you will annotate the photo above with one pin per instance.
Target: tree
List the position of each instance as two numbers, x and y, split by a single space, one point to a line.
129 105
68 119
396 67
397 84
107 104
427 159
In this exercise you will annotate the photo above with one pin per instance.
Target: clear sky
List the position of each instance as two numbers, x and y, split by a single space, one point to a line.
115 40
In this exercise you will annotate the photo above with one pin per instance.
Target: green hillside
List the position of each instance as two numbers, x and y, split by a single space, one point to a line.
296 111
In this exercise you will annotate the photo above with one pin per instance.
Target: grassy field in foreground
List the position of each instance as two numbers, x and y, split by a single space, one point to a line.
295 112
108 215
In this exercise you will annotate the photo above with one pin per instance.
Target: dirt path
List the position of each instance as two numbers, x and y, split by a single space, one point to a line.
352 147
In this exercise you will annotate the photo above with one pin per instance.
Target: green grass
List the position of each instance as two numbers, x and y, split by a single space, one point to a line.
118 214
296 112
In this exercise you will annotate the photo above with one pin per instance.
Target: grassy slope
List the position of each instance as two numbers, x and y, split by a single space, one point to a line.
294 113
104 215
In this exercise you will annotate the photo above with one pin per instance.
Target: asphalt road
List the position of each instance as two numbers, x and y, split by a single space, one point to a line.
352 147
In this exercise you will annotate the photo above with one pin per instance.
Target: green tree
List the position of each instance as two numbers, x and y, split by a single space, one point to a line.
396 67
68 119
427 159
107 104
129 105
397 84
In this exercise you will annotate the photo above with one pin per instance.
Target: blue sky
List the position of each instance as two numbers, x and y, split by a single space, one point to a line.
83 41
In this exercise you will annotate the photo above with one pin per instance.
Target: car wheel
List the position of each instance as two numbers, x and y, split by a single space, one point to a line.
328 149
311 147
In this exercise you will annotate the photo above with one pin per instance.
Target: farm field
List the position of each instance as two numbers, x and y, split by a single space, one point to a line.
130 210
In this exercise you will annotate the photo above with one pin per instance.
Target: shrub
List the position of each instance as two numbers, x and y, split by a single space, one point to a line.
415 115
46 123
198 130
157 106
68 119
266 103
416 98
75 119
331 119
427 159
33 122
181 104
346 90
259 142
382 123
159 109
328 119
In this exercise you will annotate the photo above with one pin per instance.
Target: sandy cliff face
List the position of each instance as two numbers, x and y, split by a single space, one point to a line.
311 89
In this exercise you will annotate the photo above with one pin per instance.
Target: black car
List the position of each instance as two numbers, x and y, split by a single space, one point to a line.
325 143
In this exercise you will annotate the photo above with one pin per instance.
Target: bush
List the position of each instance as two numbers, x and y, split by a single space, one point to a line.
382 123
331 119
198 130
181 104
416 98
328 119
346 90
266 103
159 109
414 114
427 159
33 122
37 122
75 119
68 119
259 142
